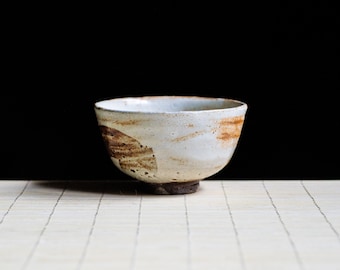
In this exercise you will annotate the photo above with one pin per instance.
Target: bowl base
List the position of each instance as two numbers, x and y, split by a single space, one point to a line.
172 188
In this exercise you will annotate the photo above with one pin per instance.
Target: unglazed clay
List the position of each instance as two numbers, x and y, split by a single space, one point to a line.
170 142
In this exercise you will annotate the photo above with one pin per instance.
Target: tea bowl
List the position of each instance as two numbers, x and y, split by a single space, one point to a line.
170 143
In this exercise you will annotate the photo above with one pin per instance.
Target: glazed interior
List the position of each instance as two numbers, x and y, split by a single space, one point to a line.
167 104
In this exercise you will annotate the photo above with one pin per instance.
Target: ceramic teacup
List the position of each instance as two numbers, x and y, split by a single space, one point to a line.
170 143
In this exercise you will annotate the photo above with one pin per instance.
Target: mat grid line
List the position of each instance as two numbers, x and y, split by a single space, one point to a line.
14 201
320 210
134 252
188 233
291 241
88 240
36 244
239 246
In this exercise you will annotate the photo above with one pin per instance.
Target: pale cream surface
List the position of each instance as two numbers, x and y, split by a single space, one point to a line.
226 224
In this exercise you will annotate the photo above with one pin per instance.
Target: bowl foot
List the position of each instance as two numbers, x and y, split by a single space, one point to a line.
172 188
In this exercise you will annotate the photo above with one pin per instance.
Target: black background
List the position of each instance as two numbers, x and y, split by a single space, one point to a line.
280 57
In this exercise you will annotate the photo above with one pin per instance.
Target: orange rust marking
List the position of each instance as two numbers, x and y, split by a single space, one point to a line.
188 136
130 153
122 123
179 160
230 128
127 122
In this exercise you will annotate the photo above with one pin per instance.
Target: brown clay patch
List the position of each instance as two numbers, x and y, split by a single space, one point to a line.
131 154
230 128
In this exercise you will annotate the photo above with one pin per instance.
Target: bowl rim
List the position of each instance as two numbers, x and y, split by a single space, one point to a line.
240 105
